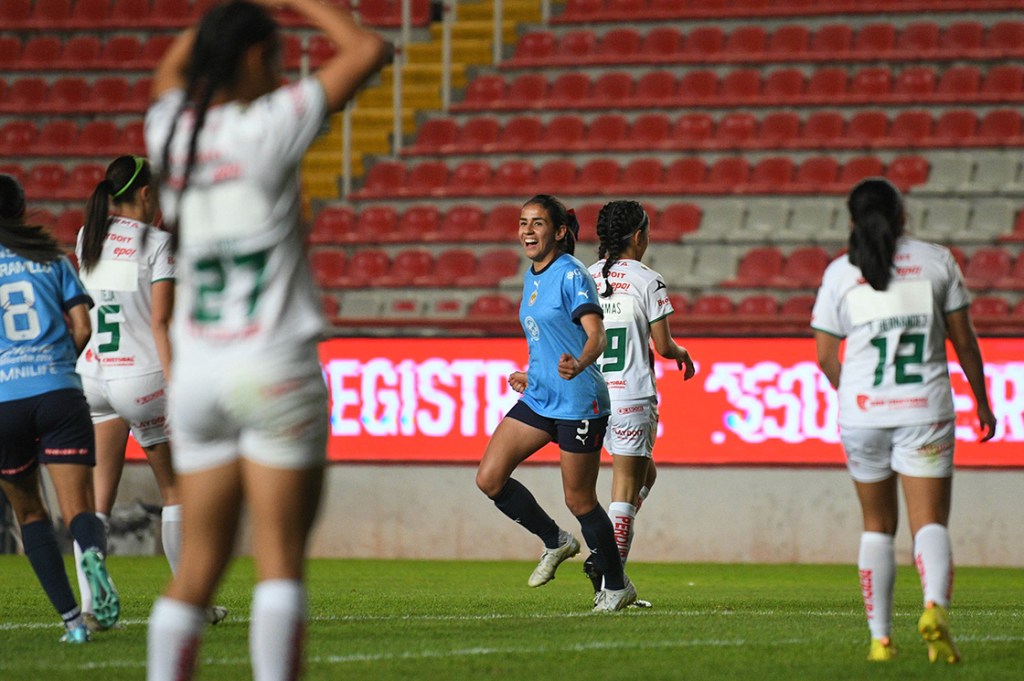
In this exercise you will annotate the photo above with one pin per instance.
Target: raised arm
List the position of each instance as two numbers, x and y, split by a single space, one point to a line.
170 72
965 342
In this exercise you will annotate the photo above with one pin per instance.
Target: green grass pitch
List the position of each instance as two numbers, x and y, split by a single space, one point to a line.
478 620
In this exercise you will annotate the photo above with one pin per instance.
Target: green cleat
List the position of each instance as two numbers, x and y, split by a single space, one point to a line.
77 636
106 604
934 628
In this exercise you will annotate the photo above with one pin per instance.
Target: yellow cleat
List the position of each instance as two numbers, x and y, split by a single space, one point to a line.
882 650
934 628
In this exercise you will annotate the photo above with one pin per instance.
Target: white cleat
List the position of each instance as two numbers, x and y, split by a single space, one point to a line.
215 614
613 600
552 558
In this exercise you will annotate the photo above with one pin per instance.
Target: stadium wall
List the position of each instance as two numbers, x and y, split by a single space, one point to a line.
695 514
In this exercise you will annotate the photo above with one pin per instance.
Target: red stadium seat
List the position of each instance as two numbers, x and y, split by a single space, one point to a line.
907 172
726 174
109 94
918 39
955 127
131 13
803 268
656 88
41 54
17 138
703 43
520 133
330 268
958 83
56 137
321 50
911 128
649 131
365 268
870 84
483 91
1000 126
606 132
99 138
826 85
868 128
693 131
491 305
760 305
788 42
783 85
619 45
1002 83
154 49
502 223
568 91
119 52
676 221
598 176
564 132
745 43
875 40
425 179
417 223
449 267
407 267
91 13
477 134
45 182
661 44
963 38
332 224
469 178
514 177
816 174
492 266
680 303
82 53
771 175
557 176
385 178
832 41
576 47
436 136
138 95
685 175
987 266
375 224
641 175
857 169
1006 39
82 181
1013 280
535 47
758 268
47 14
736 130
712 304
329 306
798 306
586 215
698 87
67 225
460 223
741 86
987 307
821 129
527 91
779 129
915 84
10 53
611 89
68 95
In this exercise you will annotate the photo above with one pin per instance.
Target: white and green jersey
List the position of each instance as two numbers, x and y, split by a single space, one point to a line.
895 371
639 299
244 285
121 284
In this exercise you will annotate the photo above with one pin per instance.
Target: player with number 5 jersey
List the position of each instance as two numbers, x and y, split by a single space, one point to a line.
895 301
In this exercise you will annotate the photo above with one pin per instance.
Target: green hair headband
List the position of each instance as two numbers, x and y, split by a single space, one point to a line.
139 162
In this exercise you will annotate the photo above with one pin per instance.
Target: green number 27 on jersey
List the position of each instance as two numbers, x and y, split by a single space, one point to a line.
216 273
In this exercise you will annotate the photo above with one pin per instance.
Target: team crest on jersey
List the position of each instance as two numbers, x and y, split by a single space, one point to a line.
536 292
532 328
571 274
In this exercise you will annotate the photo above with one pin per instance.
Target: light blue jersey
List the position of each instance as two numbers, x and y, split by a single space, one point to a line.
553 302
37 354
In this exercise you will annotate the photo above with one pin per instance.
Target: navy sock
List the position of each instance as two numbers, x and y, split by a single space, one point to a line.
41 549
89 532
600 537
515 501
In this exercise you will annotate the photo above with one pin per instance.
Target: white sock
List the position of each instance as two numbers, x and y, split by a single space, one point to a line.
175 629
84 592
877 565
622 516
170 534
644 491
934 559
277 629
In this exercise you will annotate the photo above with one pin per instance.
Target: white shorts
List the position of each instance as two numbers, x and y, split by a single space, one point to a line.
925 451
140 400
270 411
632 427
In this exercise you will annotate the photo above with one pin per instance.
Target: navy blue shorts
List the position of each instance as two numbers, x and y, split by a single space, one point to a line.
54 427
581 436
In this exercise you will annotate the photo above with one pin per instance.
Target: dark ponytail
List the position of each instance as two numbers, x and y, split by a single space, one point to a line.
125 176
616 223
876 210
224 35
32 242
559 216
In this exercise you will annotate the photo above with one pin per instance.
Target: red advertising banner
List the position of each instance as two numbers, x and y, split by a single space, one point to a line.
754 401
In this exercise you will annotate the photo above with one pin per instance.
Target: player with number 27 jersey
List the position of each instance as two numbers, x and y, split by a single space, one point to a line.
895 371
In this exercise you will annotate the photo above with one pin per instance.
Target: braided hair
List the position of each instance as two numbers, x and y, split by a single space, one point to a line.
559 216
125 176
617 222
32 242
876 209
224 35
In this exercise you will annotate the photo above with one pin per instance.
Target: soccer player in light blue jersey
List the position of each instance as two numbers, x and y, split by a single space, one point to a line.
43 413
565 401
